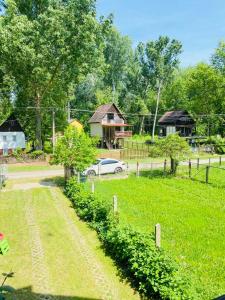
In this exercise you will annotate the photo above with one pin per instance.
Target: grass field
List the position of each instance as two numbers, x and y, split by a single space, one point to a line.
47 256
31 167
191 215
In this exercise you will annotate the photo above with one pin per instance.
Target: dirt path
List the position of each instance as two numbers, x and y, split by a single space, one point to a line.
131 168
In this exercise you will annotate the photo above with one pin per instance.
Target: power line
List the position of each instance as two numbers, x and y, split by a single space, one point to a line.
103 113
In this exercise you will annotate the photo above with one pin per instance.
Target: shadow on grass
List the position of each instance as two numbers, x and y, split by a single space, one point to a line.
57 181
156 174
27 293
220 298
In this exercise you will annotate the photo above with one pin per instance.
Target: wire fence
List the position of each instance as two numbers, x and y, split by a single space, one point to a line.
206 170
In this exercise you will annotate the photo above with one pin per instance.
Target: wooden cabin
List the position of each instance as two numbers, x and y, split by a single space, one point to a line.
11 136
109 125
177 121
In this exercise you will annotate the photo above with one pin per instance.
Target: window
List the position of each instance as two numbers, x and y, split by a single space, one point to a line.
111 116
109 162
14 138
4 138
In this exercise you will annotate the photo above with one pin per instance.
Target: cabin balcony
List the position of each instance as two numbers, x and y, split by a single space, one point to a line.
123 134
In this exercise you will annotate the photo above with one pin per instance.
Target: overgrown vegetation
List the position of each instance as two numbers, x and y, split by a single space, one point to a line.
150 269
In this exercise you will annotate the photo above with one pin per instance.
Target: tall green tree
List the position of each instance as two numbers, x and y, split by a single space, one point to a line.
218 58
117 54
46 46
158 59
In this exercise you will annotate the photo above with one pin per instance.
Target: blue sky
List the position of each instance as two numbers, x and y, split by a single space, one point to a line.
198 24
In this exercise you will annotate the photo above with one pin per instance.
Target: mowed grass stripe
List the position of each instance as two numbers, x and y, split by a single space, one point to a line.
18 260
69 273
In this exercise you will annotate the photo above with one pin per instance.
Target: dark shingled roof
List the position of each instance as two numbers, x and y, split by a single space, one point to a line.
102 111
11 125
176 117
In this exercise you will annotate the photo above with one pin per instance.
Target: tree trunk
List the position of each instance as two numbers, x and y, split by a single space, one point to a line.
113 91
67 173
142 125
173 166
38 123
156 111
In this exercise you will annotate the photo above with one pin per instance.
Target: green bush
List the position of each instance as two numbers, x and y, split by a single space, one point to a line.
152 272
18 154
87 206
218 144
36 154
48 147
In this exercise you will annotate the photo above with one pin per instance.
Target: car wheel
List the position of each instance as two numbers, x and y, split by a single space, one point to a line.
118 170
91 173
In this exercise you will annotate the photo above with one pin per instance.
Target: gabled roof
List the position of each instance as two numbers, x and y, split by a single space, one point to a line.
11 125
176 117
102 111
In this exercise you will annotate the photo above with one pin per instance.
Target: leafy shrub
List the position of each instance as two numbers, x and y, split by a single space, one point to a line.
48 147
153 273
18 154
218 144
36 154
87 206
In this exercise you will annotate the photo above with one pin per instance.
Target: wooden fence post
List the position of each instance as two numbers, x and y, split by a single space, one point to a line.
92 187
189 168
138 169
115 204
198 162
164 167
220 160
158 235
207 174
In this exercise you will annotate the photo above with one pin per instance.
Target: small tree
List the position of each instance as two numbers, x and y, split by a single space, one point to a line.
75 150
176 148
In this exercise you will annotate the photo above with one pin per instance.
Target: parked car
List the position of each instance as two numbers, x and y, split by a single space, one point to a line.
105 166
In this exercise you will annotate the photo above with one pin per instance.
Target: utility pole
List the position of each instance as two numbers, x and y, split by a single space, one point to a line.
156 111
53 130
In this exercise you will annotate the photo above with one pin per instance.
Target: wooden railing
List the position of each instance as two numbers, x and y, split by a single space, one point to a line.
123 134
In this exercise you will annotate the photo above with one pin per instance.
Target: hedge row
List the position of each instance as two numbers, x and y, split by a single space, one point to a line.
151 271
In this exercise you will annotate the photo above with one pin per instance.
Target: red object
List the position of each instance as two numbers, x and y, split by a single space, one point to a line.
1 236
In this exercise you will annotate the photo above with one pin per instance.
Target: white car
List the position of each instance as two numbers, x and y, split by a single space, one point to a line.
105 166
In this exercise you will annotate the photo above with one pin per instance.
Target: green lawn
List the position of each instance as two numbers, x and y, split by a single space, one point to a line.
191 215
30 167
60 258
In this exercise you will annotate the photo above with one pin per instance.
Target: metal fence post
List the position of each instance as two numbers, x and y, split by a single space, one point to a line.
189 168
207 174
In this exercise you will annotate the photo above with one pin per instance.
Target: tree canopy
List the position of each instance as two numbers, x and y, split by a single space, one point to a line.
55 52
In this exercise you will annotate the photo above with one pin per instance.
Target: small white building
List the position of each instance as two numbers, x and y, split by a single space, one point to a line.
11 136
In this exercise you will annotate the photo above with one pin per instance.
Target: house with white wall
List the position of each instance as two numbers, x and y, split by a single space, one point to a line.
109 125
11 136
